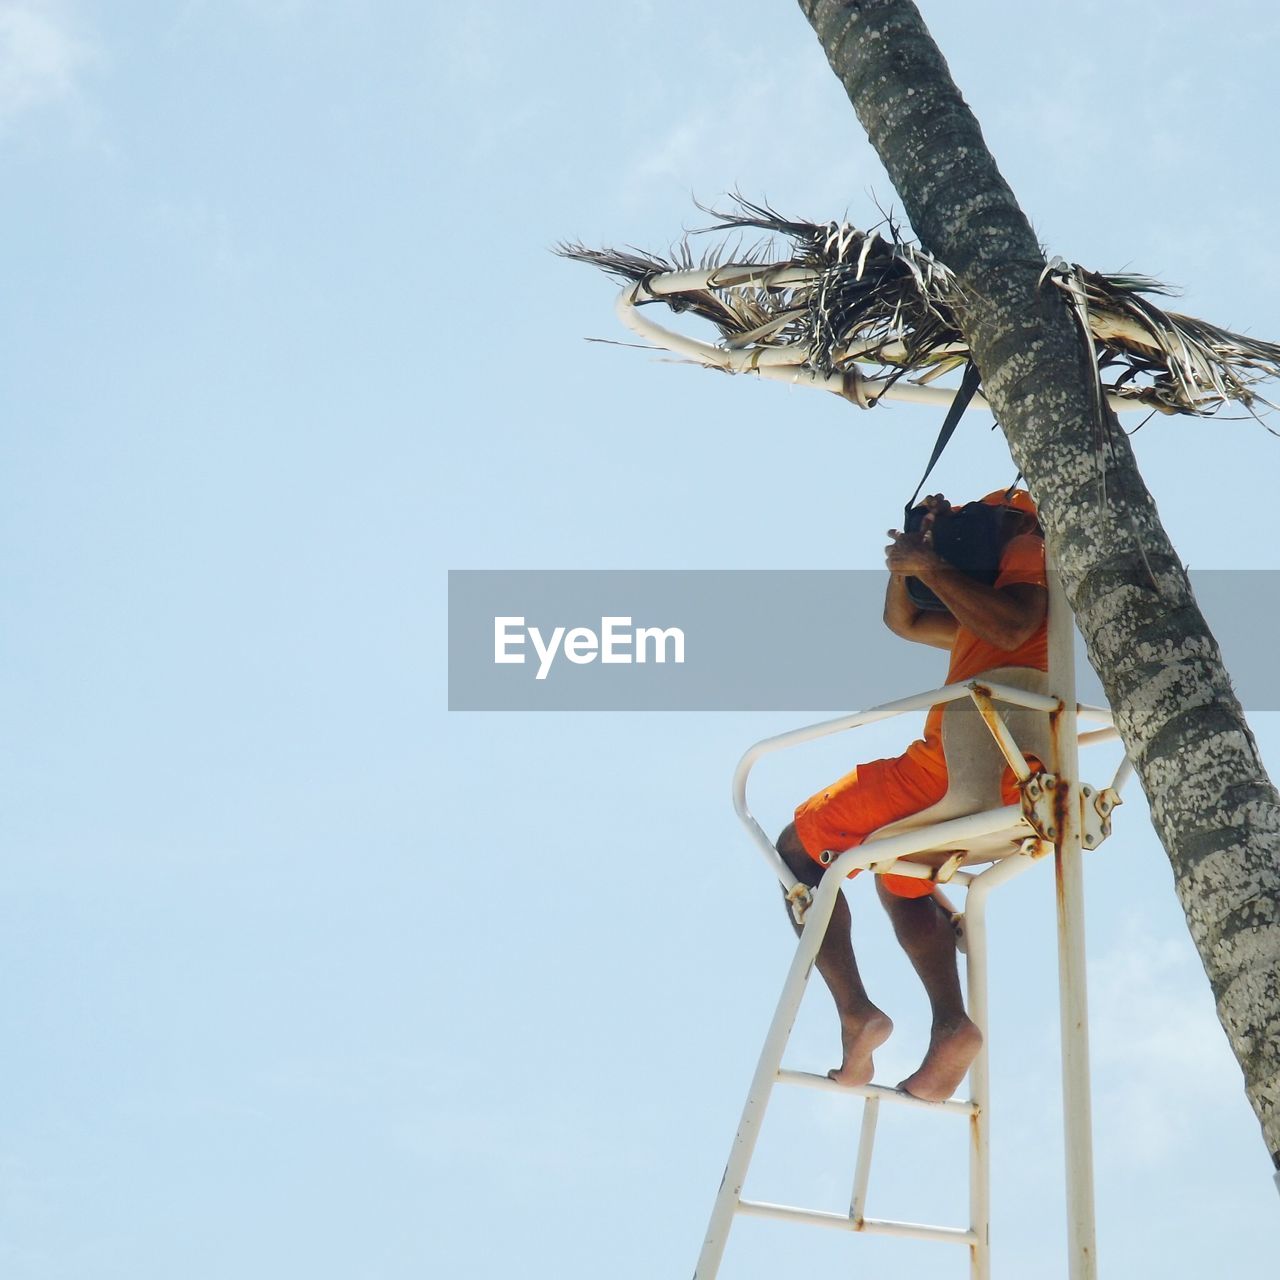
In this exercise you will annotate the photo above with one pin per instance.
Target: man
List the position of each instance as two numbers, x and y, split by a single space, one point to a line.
1002 625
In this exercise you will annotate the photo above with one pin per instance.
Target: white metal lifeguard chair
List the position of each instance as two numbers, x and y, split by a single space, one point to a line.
844 298
969 838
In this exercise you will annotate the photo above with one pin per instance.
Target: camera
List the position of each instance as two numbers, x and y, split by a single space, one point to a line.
969 537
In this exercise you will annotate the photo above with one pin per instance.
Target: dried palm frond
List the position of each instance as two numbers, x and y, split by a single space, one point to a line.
738 312
837 297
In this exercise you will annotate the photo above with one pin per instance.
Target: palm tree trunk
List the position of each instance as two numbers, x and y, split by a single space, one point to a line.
1214 808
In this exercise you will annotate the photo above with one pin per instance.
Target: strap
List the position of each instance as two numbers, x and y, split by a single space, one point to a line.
968 385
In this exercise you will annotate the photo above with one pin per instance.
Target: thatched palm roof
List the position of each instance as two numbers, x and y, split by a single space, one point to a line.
841 298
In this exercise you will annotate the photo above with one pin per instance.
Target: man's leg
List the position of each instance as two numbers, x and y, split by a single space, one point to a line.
863 1026
926 935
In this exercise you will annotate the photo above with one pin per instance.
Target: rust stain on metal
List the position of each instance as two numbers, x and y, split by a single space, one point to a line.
1061 792
990 713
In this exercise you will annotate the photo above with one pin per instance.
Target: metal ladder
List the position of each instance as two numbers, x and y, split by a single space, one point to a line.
1057 813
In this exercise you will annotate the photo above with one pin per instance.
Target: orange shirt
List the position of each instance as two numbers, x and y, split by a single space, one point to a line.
1021 561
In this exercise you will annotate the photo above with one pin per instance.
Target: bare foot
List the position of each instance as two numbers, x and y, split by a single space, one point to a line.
952 1049
860 1038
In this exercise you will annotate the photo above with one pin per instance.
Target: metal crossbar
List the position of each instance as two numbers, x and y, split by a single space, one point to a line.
1064 832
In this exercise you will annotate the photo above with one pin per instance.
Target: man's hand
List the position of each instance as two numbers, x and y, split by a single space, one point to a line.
912 554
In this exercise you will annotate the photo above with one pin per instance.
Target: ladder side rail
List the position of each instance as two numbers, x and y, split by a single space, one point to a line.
1073 1000
729 1196
975 928
862 1169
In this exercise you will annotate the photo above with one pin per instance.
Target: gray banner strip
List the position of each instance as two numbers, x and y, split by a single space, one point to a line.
693 640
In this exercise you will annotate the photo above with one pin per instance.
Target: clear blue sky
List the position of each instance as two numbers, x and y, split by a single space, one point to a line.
305 975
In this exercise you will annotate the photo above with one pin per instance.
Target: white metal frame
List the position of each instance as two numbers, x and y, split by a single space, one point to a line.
780 364
1077 813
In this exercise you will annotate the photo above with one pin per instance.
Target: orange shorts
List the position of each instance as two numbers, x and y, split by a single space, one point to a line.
873 795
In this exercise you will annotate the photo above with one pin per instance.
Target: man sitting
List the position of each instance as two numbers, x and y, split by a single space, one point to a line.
983 627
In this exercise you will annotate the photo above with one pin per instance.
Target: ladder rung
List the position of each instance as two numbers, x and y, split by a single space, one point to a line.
811 1081
843 1222
918 1231
785 1213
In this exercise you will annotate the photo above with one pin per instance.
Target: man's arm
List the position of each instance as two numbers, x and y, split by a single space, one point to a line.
1002 616
906 619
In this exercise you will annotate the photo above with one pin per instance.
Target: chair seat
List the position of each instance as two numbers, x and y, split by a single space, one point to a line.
991 847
